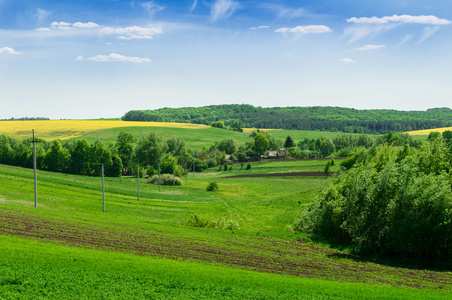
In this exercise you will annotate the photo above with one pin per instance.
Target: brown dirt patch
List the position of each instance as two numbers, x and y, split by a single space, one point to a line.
291 174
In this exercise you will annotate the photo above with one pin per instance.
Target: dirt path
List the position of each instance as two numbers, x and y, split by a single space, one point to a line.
263 254
291 174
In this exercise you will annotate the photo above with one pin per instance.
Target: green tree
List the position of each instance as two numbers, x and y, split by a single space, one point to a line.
115 170
150 150
80 158
176 146
289 143
260 144
227 145
125 148
98 156
57 158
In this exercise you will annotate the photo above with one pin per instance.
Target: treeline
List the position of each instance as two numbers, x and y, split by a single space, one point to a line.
151 152
391 200
122 157
373 121
323 147
75 157
25 119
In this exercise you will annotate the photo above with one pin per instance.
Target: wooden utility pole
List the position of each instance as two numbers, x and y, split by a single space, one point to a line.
103 188
34 141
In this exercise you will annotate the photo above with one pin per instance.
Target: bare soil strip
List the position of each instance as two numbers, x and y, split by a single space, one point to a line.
290 174
268 254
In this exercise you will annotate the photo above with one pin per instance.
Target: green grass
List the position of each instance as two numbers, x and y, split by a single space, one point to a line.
194 138
197 138
33 270
145 249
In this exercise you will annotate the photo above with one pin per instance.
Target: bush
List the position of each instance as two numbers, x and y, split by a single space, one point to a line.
390 205
212 187
225 167
327 169
248 166
165 179
212 222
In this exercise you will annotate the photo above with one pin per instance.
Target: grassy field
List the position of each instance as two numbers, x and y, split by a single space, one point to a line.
195 136
147 248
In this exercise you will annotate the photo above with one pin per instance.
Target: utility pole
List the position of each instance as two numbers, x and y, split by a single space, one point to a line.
34 168
34 141
159 176
138 176
193 166
103 188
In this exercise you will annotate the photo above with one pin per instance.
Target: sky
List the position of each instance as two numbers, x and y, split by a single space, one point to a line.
101 58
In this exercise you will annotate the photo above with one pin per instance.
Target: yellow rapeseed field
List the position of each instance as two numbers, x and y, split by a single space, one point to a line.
427 131
66 129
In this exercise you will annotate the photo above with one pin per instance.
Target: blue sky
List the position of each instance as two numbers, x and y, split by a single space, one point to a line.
102 58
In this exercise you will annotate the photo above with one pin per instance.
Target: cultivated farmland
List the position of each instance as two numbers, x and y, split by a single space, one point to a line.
149 247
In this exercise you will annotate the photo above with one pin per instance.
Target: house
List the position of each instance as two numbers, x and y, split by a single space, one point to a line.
281 153
271 154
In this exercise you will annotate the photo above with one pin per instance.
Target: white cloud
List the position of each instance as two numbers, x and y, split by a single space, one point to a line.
348 60
60 24
357 32
85 25
405 39
41 14
8 50
260 27
223 9
193 6
42 29
79 58
305 29
401 19
151 8
134 32
427 33
118 57
371 47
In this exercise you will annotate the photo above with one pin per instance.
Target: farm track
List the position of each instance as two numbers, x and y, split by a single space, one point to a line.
262 254
289 174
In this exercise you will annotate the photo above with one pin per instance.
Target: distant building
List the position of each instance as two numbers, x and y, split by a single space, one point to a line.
281 153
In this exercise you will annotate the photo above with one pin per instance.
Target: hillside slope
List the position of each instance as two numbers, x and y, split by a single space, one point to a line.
375 121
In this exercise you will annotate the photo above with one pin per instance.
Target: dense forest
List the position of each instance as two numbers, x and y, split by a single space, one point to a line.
374 121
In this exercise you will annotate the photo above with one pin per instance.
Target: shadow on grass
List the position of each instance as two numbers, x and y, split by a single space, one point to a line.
390 260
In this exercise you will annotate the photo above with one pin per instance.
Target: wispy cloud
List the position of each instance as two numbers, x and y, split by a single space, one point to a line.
192 8
359 31
405 39
432 20
348 60
41 14
152 8
371 47
260 27
223 9
284 11
427 33
305 29
8 50
113 57
133 32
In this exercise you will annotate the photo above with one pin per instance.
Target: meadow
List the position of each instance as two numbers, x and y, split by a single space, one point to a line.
150 248
195 136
